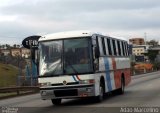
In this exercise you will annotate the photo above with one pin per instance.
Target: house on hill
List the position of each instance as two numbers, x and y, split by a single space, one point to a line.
5 52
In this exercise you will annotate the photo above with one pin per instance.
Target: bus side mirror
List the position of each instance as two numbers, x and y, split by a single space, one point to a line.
96 51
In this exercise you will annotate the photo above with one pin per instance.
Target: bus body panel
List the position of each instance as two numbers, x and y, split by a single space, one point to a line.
113 69
68 83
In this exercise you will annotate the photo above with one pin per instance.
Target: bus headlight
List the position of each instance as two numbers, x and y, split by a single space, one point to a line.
91 81
45 84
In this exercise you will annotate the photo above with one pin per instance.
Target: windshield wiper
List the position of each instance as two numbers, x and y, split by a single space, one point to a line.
76 72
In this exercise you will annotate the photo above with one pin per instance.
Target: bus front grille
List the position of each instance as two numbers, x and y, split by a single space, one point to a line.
61 84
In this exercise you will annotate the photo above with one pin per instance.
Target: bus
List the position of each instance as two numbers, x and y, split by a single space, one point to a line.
79 64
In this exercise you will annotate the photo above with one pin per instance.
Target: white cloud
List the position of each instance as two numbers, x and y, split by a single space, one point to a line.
126 18
6 18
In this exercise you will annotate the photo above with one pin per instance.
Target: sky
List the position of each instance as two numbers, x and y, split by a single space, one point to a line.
121 18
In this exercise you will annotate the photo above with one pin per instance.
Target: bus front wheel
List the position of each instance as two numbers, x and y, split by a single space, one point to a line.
100 97
56 101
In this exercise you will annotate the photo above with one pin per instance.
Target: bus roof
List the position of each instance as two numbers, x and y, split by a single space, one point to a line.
67 34
72 34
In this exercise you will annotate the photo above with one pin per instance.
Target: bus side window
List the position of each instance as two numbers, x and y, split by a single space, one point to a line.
117 51
111 43
97 47
119 48
114 47
126 46
96 55
109 46
122 52
128 49
100 46
104 47
123 48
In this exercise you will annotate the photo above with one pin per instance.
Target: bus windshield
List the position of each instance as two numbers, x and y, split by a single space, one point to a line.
64 57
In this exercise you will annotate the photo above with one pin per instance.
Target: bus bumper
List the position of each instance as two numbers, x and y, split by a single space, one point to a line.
67 92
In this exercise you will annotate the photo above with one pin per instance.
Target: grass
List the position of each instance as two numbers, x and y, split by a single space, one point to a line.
7 94
8 75
8 78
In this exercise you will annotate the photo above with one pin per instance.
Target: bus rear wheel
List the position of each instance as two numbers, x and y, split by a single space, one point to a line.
120 91
56 101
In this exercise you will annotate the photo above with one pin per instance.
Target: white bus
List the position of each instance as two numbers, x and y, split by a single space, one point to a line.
78 64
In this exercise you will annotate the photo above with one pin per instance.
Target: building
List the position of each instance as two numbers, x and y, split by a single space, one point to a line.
16 52
137 41
25 53
5 52
138 51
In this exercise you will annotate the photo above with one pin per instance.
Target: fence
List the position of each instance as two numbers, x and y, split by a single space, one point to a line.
19 90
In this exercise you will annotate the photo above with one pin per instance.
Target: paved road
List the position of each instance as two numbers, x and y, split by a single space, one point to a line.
144 91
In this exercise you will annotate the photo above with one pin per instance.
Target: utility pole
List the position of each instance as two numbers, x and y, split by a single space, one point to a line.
31 50
145 38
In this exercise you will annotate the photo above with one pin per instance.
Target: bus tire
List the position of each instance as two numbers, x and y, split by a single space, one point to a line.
120 91
56 101
100 97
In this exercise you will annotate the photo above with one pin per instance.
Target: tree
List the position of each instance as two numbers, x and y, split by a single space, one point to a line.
8 46
3 46
156 65
152 43
14 46
151 55
18 46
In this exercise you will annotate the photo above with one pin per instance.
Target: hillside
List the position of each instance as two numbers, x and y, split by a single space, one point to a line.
8 75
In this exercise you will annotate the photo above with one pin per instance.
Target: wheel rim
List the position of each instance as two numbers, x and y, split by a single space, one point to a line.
122 85
56 101
101 93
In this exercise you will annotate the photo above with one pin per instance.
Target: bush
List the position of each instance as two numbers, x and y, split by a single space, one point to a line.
156 66
15 61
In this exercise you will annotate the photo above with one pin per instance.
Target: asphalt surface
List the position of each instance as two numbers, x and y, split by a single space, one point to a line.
143 94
